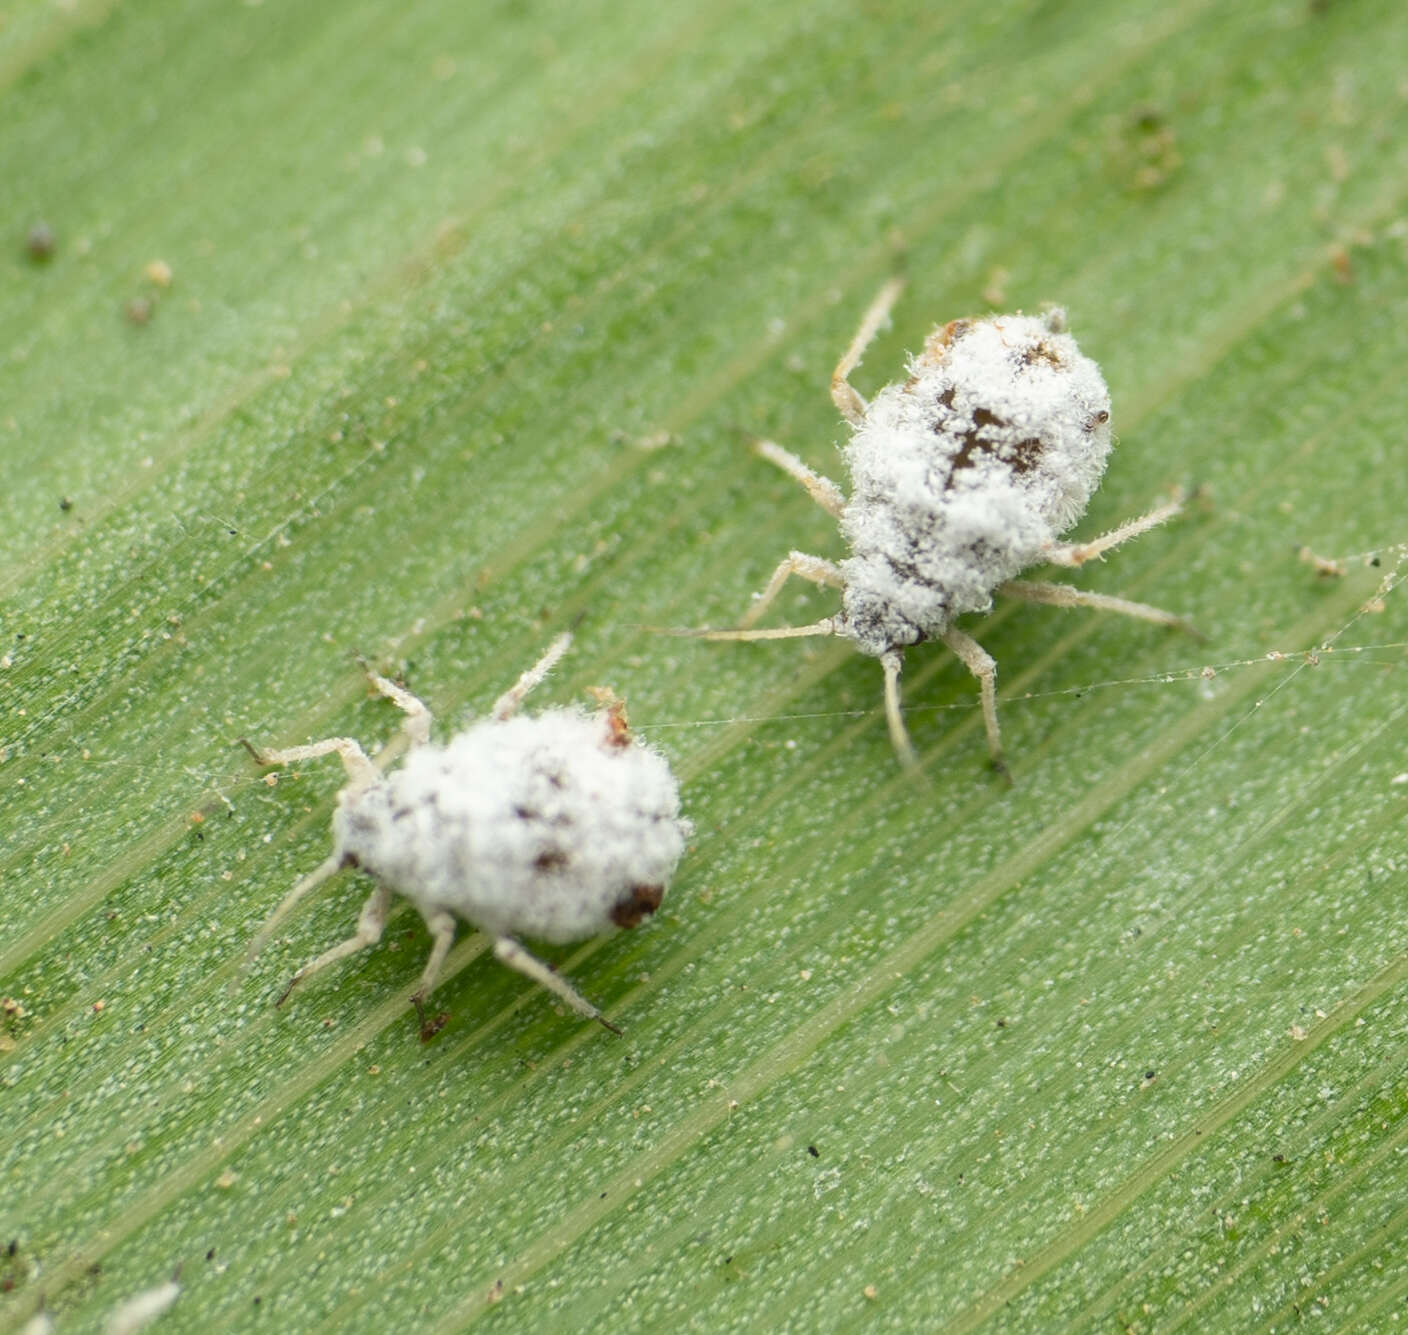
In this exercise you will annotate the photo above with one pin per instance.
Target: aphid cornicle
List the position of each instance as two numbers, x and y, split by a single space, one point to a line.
962 476
559 826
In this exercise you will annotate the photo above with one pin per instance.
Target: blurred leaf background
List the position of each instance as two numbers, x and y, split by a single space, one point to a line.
417 332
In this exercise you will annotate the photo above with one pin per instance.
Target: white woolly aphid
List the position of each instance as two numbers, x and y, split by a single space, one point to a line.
559 826
962 476
550 826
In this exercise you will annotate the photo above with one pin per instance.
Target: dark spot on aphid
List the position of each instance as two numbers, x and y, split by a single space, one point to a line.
400 813
937 344
527 813
1099 419
210 1255
65 504
641 901
983 417
813 1151
1041 352
1002 1022
350 860
1026 454
1021 457
554 859
946 334
618 733
1150 1074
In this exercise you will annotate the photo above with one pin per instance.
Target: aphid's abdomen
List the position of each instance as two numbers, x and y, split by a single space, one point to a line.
544 826
907 581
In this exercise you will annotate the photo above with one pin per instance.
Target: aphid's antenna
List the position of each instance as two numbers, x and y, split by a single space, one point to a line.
416 724
848 402
899 734
506 706
827 627
360 770
306 885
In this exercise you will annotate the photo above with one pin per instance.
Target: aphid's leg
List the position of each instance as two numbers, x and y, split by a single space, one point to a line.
848 402
442 928
827 627
354 760
329 867
815 568
821 489
506 706
981 664
1078 553
416 724
370 925
899 735
1063 595
509 952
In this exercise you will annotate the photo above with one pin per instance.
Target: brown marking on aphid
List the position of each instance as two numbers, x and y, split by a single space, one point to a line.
1026 454
1099 419
1041 352
1021 457
618 732
554 859
937 344
641 902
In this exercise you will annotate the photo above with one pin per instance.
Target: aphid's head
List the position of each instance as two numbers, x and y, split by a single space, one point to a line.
1023 337
1022 369
936 346
360 823
1002 406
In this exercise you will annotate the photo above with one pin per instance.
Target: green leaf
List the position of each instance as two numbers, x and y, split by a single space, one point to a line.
417 333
